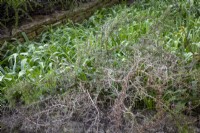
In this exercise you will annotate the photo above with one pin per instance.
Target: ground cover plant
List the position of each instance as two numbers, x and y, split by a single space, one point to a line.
126 69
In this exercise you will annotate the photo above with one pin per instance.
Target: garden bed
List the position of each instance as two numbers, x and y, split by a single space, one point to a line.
36 17
124 69
31 28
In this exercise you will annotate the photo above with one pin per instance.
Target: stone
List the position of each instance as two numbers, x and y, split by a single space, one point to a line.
21 40
31 35
35 27
60 15
57 23
16 32
40 30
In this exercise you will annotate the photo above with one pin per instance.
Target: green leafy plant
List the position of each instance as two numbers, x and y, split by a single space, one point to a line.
124 59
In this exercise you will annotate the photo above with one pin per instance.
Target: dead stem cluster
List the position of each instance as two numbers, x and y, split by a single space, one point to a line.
129 99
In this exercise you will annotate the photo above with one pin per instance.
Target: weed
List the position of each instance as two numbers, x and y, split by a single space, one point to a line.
125 69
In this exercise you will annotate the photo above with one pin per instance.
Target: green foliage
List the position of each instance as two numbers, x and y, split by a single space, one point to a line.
183 28
80 53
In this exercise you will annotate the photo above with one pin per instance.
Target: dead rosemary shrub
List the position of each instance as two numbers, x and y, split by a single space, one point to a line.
132 97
